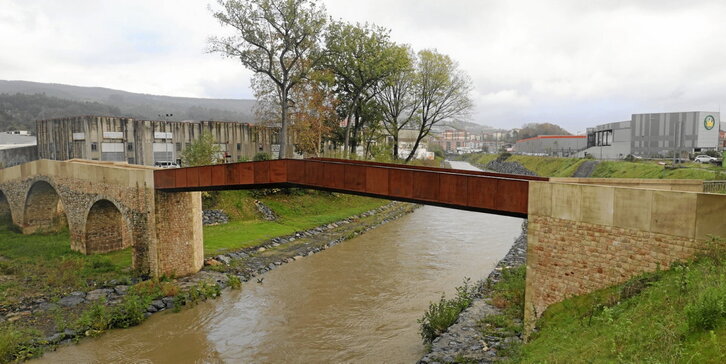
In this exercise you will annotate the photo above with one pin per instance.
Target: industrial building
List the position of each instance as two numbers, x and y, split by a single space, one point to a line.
148 142
655 135
552 145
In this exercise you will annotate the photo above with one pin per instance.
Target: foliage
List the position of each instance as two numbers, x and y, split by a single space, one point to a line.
531 130
662 317
443 93
201 292
314 113
708 311
444 313
261 156
202 151
234 281
508 293
16 344
274 38
397 98
359 56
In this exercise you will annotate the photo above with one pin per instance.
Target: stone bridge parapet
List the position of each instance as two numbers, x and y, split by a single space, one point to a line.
107 207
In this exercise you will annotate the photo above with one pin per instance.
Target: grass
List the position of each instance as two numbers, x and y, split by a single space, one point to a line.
566 167
37 264
674 316
444 313
296 211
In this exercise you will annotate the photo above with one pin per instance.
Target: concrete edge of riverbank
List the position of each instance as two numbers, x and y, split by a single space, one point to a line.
464 339
245 264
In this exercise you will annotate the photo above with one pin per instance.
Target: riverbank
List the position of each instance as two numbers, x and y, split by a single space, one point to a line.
473 338
32 325
567 167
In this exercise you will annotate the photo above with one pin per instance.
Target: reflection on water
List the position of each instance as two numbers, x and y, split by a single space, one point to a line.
355 302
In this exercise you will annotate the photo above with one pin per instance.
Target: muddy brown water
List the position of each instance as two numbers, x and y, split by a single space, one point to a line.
355 302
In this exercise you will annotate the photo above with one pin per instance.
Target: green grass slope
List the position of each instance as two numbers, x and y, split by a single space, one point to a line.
674 316
297 210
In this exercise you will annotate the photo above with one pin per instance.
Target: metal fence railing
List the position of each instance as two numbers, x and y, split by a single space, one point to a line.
714 186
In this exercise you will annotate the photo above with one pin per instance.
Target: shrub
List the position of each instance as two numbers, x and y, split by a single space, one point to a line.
708 310
443 314
234 281
261 156
15 344
130 312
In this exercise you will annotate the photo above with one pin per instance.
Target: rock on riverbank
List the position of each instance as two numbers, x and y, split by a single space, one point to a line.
463 339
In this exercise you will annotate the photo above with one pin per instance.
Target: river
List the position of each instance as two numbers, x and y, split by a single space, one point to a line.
355 302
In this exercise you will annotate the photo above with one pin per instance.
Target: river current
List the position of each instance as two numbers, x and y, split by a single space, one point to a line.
355 302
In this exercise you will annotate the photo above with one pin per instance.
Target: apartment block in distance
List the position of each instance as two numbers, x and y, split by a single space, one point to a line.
148 142
552 145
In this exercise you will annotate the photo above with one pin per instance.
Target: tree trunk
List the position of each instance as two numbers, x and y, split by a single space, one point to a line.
283 127
395 145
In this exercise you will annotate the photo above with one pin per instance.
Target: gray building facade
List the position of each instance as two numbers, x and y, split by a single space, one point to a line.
655 135
147 142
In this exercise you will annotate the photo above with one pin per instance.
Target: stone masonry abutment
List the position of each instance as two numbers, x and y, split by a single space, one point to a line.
582 238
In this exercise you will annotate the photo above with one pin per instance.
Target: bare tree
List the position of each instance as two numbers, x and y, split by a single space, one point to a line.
398 101
276 38
443 93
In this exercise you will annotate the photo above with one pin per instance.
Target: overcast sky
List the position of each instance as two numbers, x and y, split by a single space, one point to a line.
576 63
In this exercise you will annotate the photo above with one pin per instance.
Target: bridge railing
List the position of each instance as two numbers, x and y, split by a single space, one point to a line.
468 190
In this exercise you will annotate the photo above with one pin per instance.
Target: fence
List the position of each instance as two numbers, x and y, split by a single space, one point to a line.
714 186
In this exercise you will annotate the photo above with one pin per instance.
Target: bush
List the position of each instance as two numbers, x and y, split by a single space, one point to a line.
709 309
15 344
443 314
261 156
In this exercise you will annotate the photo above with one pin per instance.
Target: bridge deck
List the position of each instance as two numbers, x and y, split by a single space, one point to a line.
495 193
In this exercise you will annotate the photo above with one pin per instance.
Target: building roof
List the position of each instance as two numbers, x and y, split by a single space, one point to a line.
554 137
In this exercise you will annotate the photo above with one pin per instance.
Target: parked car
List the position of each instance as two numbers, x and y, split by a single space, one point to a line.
164 164
704 159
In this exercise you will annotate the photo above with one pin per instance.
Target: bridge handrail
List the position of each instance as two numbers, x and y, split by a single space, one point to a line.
435 169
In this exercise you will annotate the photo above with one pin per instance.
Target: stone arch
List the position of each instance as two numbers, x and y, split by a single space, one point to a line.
6 217
43 210
106 230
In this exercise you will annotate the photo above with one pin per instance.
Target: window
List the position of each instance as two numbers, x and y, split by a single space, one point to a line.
94 147
131 160
178 147
130 147
239 146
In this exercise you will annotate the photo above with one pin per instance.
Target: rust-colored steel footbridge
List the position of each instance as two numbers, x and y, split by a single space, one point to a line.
496 193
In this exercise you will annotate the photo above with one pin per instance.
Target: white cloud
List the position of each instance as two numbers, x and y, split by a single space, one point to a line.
572 62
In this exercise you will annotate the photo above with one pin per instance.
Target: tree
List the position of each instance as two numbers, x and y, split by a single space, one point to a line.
201 152
397 99
314 113
275 38
359 56
531 130
443 93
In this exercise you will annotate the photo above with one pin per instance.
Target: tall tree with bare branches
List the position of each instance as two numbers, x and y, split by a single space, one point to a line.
276 38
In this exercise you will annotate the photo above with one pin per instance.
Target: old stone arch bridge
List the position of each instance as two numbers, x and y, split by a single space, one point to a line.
584 234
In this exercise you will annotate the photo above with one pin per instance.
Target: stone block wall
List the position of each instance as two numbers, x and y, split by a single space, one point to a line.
178 249
587 237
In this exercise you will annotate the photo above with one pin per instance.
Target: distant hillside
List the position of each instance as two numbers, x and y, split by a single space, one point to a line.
19 111
139 105
466 125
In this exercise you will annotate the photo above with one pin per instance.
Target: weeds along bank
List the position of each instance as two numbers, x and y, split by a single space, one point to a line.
566 167
50 295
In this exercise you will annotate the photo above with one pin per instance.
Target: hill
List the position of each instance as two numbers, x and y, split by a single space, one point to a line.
138 105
